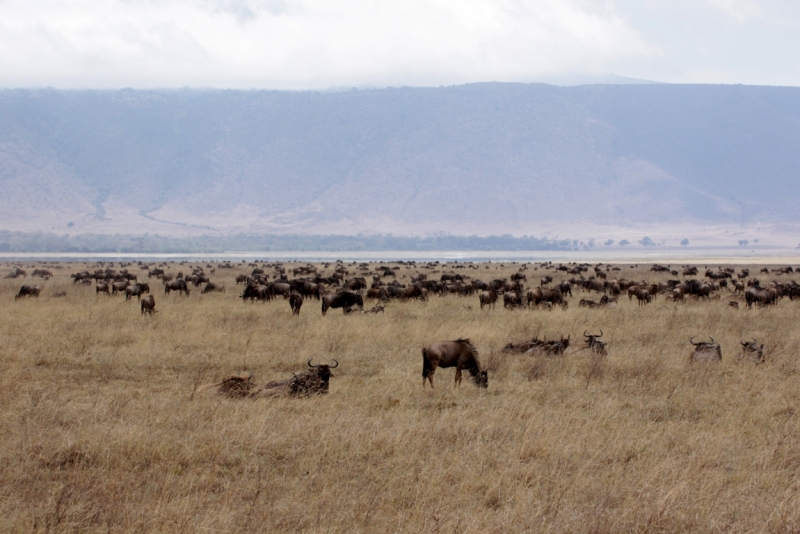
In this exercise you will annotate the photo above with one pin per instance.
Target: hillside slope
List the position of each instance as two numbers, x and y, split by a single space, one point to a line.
482 158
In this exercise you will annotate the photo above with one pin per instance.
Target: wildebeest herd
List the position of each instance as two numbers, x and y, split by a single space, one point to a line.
337 285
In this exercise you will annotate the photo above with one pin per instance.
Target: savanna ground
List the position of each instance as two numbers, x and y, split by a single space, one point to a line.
102 429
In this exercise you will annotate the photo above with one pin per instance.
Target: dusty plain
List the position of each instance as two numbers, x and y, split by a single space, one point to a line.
103 428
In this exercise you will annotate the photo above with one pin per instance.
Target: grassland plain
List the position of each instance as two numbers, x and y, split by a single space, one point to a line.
103 429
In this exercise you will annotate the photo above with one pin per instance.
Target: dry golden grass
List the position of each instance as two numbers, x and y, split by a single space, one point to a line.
102 429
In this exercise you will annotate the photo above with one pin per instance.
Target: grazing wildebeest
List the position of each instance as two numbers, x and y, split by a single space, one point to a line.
751 352
487 298
538 296
42 273
176 285
546 281
148 305
733 304
460 354
414 292
295 302
137 290
512 299
705 351
315 381
17 272
344 299
375 309
644 297
763 297
102 287
28 291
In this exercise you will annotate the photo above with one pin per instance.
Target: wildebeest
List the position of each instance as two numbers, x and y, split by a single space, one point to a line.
211 286
460 354
512 299
28 291
762 297
523 347
315 381
538 296
706 351
148 305
593 342
237 386
136 290
295 302
102 287
487 298
176 285
375 309
565 287
553 348
343 299
17 272
751 352
546 281
119 287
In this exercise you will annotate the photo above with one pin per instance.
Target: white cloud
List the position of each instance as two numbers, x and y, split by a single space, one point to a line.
306 43
741 10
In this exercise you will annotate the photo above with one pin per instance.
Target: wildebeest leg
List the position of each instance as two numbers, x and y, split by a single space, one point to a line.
458 376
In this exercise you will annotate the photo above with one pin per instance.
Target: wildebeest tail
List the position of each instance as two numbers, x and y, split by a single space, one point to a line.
426 365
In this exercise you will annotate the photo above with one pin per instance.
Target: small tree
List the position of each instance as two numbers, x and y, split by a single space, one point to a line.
646 242
684 242
609 242
624 242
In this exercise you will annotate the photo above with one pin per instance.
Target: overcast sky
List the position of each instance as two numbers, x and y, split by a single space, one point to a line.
310 44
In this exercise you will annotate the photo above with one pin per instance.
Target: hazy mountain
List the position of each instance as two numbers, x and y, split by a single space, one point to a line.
482 158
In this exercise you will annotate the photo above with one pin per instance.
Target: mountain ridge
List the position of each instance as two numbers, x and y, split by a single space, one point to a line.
488 158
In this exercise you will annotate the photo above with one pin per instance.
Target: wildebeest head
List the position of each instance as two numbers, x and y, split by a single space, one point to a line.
594 343
752 351
481 379
706 351
314 381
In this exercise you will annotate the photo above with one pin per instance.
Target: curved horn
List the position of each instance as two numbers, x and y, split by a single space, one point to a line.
584 334
712 339
691 340
601 332
743 343
334 366
313 366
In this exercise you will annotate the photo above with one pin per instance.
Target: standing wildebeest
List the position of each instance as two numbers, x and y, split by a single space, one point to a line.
295 302
176 285
315 381
565 287
148 305
102 287
546 281
345 300
487 298
28 291
705 351
137 290
460 354
119 287
512 299
751 352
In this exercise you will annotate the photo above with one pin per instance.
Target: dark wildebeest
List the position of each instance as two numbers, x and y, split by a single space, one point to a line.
763 297
176 285
512 299
644 297
414 292
705 351
136 290
295 302
538 296
148 305
553 348
28 291
546 281
751 352
460 354
345 299
487 298
102 287
525 346
593 342
315 381
211 286
565 287
375 309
